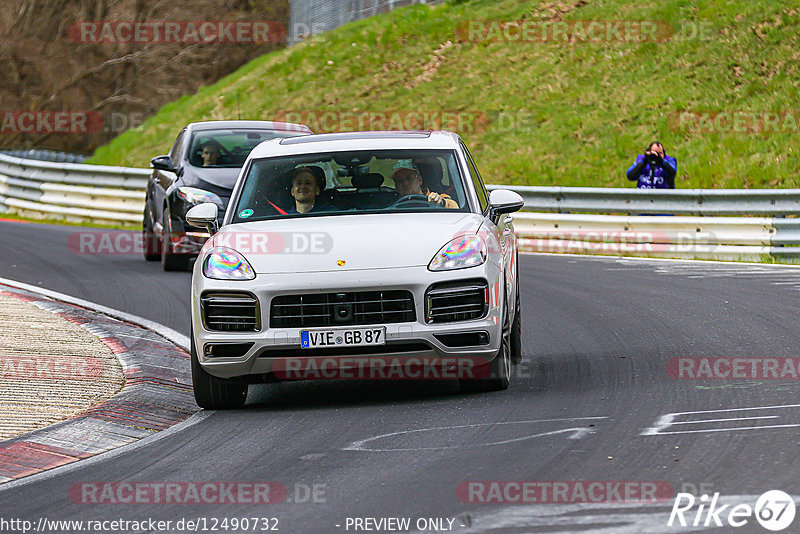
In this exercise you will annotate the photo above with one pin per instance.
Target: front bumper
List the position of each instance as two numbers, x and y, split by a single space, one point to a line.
276 351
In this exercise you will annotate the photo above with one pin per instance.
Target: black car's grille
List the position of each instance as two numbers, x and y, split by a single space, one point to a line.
230 312
456 301
340 309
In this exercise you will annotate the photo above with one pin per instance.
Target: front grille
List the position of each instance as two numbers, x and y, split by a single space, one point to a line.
456 301
341 309
230 312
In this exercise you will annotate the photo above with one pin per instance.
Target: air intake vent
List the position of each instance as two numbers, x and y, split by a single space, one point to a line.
456 301
226 350
463 339
341 309
230 312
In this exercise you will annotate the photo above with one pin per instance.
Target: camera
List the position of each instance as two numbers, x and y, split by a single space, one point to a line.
652 159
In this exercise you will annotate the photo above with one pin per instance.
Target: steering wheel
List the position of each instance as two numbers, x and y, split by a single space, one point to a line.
411 198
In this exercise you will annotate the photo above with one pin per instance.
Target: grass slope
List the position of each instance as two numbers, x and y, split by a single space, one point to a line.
548 113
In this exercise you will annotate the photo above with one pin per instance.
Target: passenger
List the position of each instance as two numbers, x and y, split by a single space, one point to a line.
210 153
431 171
407 181
307 183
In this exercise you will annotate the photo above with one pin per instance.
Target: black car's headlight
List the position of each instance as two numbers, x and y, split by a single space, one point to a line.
195 196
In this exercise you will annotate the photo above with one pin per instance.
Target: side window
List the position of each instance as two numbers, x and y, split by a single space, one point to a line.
477 182
177 148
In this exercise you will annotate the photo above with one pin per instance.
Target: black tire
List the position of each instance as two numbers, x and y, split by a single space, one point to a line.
169 260
212 393
516 328
497 374
149 239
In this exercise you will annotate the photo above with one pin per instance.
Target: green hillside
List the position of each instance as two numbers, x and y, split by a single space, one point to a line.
539 110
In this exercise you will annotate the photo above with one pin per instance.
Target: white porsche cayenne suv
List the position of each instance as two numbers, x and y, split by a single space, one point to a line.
366 255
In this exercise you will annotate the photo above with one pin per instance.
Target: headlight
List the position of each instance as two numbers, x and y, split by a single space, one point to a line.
224 263
460 253
195 196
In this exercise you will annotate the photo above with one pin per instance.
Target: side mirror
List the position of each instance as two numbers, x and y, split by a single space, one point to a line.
205 216
504 201
162 163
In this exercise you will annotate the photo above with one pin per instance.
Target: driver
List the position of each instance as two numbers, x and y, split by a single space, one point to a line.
407 181
210 153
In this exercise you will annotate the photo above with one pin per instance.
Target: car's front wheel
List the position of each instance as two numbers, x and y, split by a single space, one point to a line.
496 375
214 393
149 239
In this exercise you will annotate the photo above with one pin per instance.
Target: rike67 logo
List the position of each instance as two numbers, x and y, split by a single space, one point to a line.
774 510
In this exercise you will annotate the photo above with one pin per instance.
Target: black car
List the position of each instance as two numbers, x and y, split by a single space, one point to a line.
202 166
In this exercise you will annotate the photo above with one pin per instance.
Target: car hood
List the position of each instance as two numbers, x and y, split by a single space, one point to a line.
345 242
222 177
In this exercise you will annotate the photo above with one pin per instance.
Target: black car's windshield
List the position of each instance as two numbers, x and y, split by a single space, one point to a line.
350 183
229 147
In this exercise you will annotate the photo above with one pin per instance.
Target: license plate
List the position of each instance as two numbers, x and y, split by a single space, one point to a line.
352 337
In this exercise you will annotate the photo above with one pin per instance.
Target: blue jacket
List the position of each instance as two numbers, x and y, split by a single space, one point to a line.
660 177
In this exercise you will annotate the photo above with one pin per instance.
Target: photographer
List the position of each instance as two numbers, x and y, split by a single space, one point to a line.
654 169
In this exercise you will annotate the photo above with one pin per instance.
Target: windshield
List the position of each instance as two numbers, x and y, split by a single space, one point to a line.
350 183
229 148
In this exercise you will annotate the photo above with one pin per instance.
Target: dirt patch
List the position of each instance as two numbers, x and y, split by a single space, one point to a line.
50 369
430 69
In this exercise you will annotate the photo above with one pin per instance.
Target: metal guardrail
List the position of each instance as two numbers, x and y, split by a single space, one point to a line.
42 154
729 224
72 191
673 201
721 238
101 194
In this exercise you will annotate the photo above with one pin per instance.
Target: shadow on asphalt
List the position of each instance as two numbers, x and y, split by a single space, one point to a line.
312 395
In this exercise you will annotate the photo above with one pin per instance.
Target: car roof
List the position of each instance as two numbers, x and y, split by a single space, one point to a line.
245 124
371 140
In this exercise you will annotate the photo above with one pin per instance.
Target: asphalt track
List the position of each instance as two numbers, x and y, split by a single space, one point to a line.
598 333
